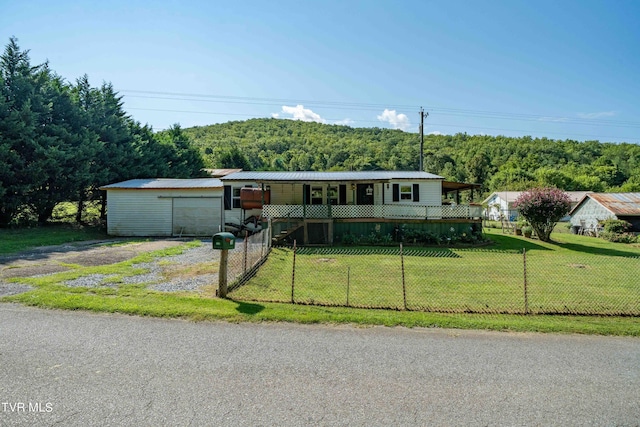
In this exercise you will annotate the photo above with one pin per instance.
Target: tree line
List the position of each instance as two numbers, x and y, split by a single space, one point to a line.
60 141
496 162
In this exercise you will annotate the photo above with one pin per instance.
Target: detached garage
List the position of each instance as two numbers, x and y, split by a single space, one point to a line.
165 207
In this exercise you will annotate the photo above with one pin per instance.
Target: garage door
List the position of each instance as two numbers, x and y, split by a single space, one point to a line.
196 216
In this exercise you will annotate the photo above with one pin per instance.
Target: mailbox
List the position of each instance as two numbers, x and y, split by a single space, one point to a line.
224 241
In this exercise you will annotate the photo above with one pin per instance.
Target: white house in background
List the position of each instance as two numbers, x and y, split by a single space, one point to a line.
595 207
165 207
500 204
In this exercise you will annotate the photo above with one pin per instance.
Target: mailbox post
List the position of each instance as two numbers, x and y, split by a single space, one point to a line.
223 242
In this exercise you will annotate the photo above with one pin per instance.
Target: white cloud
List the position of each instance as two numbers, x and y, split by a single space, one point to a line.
436 132
345 122
300 113
398 121
597 115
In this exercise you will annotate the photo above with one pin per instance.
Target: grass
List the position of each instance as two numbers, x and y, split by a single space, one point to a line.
19 239
50 292
577 275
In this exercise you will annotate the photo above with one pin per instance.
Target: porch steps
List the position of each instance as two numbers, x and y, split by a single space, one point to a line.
286 233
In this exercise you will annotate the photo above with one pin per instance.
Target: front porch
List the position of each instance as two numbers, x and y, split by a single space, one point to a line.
372 211
328 224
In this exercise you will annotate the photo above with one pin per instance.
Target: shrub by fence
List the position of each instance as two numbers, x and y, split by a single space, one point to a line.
449 280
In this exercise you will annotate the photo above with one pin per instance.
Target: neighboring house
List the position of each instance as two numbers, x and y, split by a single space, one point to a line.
165 207
322 206
595 207
500 204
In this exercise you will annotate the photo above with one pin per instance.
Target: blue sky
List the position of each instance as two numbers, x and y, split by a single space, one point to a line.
558 69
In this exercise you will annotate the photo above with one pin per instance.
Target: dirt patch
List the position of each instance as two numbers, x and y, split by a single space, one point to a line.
31 270
325 260
41 261
578 265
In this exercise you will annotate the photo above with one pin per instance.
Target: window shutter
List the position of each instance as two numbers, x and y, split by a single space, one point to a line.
416 192
342 197
227 197
306 196
396 192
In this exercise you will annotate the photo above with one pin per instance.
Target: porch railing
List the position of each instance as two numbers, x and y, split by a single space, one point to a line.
372 211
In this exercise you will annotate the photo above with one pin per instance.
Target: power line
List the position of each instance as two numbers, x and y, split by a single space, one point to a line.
376 107
521 131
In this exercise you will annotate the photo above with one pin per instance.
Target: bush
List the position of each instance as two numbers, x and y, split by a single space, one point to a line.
616 226
543 208
619 237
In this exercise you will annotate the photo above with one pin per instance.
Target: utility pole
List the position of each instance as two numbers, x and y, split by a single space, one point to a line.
422 116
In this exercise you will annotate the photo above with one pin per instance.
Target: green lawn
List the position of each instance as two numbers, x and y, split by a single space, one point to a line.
49 292
577 274
19 239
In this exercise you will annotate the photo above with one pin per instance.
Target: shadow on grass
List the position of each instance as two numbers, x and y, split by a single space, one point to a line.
421 251
510 243
248 308
594 250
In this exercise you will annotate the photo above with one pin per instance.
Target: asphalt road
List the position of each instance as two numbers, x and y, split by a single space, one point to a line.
75 368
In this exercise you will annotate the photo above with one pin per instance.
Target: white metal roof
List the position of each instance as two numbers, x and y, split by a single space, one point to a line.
511 196
166 184
329 176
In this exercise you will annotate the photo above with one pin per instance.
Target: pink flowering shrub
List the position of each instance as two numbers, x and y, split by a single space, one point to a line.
543 208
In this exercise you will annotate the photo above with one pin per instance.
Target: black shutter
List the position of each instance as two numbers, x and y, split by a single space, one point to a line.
342 196
416 192
306 196
227 197
396 192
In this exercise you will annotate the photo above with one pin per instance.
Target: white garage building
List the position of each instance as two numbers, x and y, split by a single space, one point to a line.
165 207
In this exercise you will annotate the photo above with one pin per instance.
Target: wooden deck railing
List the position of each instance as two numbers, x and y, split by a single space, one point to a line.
372 211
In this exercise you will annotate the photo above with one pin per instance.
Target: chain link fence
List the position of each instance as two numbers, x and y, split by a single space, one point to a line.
248 255
448 280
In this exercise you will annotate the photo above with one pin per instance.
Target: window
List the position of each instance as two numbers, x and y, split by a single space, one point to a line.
332 195
405 192
316 195
236 197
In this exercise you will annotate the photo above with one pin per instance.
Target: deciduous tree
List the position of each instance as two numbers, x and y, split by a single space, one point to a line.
543 208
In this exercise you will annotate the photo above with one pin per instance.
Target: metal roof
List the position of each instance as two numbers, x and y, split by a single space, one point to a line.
217 173
511 196
620 204
166 184
328 176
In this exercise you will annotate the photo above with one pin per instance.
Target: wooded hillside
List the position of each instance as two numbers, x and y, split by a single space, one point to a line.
496 162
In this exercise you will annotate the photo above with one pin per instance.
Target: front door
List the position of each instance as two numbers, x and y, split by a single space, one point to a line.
364 194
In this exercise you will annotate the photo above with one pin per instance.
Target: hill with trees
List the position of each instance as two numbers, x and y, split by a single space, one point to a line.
495 162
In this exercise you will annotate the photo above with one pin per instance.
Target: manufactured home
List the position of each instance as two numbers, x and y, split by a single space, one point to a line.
321 207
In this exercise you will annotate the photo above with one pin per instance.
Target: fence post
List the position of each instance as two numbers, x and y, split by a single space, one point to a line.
348 282
526 293
293 273
246 247
404 288
222 273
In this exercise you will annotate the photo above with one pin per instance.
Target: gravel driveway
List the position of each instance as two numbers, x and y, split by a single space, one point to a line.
163 274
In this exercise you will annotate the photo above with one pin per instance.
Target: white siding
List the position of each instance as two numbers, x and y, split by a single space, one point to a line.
430 193
591 212
235 215
197 216
139 212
